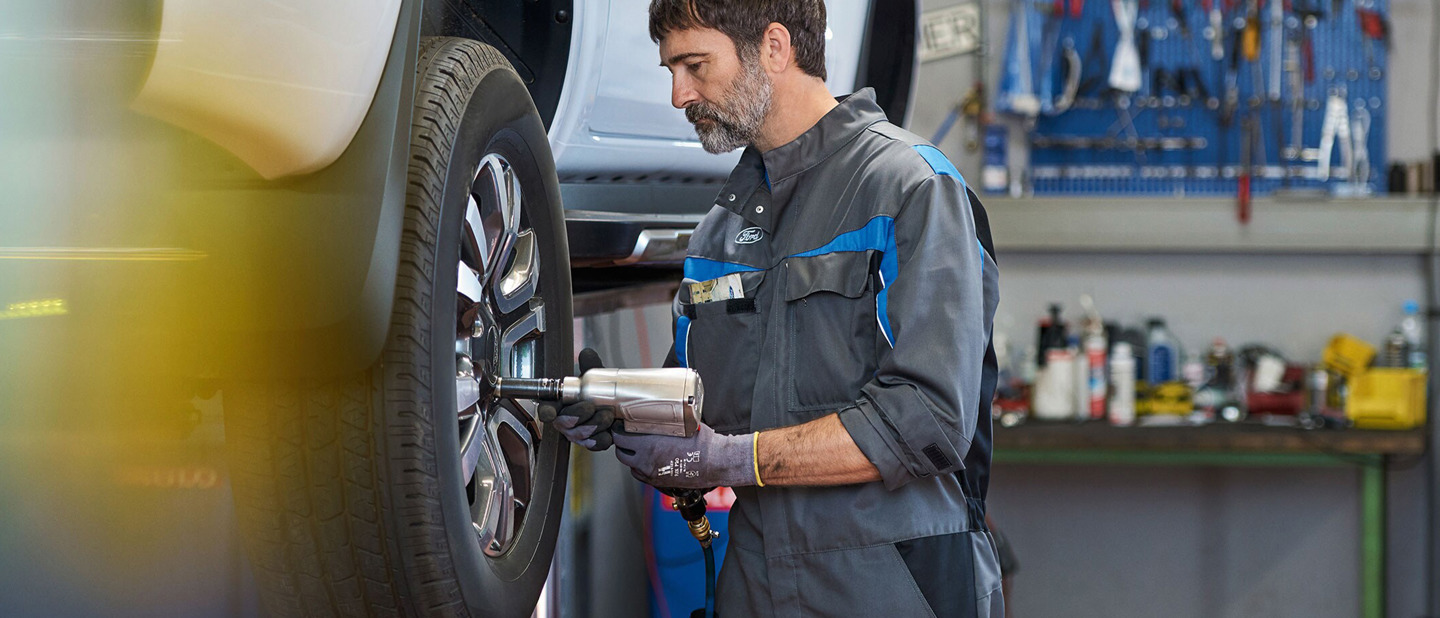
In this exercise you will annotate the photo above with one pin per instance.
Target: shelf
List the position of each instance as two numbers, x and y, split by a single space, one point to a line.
1378 225
1219 439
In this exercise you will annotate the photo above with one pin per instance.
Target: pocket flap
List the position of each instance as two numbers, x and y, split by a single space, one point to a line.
846 273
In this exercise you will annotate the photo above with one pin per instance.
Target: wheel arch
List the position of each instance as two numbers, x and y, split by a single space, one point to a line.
534 35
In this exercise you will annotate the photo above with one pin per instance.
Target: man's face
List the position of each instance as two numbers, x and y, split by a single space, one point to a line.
726 96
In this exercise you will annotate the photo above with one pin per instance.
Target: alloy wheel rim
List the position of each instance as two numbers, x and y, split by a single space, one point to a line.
499 332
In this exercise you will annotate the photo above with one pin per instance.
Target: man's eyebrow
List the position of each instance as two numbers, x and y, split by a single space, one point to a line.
678 58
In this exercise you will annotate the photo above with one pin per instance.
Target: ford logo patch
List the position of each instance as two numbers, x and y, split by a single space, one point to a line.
749 236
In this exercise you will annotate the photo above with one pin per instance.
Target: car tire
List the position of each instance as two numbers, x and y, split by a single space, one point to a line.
389 493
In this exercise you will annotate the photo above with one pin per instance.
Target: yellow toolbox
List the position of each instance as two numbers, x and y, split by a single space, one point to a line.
1386 398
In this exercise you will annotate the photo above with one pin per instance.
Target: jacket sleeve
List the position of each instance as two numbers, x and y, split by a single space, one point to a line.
917 417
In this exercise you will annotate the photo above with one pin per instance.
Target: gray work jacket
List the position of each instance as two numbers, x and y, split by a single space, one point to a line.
868 292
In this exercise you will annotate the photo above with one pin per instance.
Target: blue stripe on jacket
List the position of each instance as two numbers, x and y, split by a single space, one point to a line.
877 235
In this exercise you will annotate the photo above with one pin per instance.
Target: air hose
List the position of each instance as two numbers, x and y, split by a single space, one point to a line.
691 505
709 580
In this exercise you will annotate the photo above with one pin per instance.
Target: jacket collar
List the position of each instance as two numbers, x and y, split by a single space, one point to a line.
835 129
760 172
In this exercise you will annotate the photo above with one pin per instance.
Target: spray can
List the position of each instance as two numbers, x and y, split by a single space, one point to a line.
1095 359
1093 346
1122 378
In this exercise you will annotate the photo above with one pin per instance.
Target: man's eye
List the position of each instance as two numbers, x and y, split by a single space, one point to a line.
694 66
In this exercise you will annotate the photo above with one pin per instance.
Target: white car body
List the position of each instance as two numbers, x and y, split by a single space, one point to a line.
285 86
282 86
615 119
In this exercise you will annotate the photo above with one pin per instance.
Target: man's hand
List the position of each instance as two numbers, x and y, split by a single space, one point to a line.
583 423
702 461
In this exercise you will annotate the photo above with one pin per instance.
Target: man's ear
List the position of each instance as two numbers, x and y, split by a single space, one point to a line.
776 54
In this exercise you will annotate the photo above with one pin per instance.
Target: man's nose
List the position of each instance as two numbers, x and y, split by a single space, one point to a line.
682 95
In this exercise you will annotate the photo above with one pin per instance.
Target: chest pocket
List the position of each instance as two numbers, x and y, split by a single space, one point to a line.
723 345
833 329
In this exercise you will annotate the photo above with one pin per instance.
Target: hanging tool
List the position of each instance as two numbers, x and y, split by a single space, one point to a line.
1071 86
1277 48
1177 10
1095 68
1360 134
1337 126
1300 64
1125 71
1216 30
1250 139
1310 14
1297 99
1231 103
1373 27
1017 89
1307 48
1049 44
1277 45
1252 51
1251 33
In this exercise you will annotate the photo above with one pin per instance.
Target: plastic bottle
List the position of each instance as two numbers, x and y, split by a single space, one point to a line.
1122 381
1163 357
1193 371
1414 334
1397 350
1054 392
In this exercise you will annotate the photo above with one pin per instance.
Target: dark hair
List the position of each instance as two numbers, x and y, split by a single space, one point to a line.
744 21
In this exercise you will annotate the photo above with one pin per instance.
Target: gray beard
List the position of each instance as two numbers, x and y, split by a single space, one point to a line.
735 122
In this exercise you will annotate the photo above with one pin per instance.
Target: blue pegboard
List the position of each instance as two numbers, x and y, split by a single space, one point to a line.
1208 160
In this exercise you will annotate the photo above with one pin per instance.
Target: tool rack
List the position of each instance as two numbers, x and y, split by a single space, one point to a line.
1184 132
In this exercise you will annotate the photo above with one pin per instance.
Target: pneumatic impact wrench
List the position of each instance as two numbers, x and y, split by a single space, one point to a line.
666 401
654 401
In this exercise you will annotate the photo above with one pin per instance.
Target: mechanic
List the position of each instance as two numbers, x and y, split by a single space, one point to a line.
837 303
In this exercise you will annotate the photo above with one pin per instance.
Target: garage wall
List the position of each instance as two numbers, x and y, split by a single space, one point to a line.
1097 541
1116 541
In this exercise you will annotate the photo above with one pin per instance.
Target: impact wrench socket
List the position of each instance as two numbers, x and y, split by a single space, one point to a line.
663 402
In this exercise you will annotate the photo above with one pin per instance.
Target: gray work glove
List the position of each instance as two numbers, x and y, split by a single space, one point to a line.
583 423
702 461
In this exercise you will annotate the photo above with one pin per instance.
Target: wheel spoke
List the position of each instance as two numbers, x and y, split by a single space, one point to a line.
494 490
518 285
474 456
474 248
518 358
498 210
467 283
467 386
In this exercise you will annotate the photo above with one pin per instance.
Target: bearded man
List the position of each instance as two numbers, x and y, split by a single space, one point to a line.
838 304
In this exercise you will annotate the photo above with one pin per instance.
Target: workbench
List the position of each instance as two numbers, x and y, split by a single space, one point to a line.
1234 445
